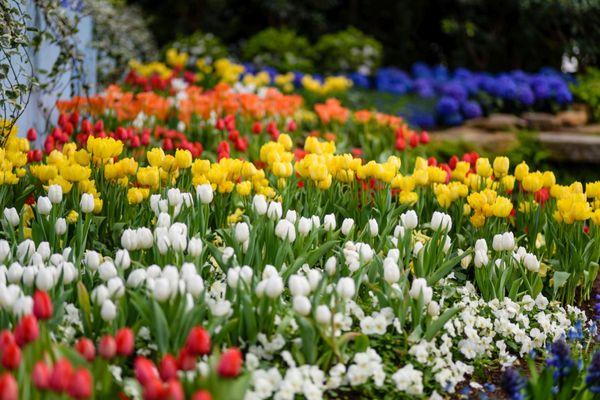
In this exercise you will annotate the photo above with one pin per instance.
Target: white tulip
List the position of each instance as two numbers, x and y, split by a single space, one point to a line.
195 285
122 259
347 225
4 250
399 231
8 295
163 220
394 254
55 193
136 278
23 306
242 232
531 262
11 216
205 193
43 250
259 204
323 315
481 246
162 289
291 216
44 280
107 270
409 219
246 274
145 240
29 274
433 309
298 285
480 259
233 277
115 287
92 259
417 249
329 222
373 227
14 273
441 221
227 254
391 272
497 244
99 294
304 226
418 286
301 305
174 196
25 250
69 272
330 265
274 211
508 241
87 203
221 308
60 226
188 199
163 243
285 230
447 244
346 288
314 278
195 247
43 205
108 311
316 221
274 286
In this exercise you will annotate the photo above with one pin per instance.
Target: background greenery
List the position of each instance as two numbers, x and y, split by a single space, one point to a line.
478 34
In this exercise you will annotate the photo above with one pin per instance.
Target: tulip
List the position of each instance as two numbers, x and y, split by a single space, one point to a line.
108 312
11 216
418 287
204 193
391 271
44 206
168 367
6 339
301 305
8 387
186 361
122 259
242 232
125 341
259 204
145 370
80 386
230 363
87 203
41 375
32 135
346 287
323 315
347 225
42 305
61 375
11 356
85 347
27 330
174 390
201 395
198 341
107 348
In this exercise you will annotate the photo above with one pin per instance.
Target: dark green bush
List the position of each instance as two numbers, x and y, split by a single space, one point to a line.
281 49
587 90
349 50
200 45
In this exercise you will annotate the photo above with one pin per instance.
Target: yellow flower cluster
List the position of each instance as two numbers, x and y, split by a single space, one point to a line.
228 72
163 168
285 82
176 59
151 68
488 203
446 194
278 157
573 208
229 174
331 84
13 158
103 150
259 80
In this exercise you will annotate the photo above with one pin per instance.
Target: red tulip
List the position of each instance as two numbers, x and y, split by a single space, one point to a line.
8 387
256 128
424 137
37 155
453 161
74 119
168 367
413 140
167 144
125 341
6 339
198 341
135 142
86 126
61 375
85 347
27 330
42 305
234 134
292 126
41 375
99 126
186 361
32 134
154 389
80 386
400 143
145 370
174 391
432 161
11 356
220 124
230 363
62 119
107 348
201 395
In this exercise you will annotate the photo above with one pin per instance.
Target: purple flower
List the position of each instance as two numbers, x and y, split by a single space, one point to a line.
525 95
471 109
593 374
513 383
446 106
560 359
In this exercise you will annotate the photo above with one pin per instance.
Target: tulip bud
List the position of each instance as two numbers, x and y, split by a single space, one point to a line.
418 287
347 225
329 222
259 204
274 286
41 375
230 364
42 305
323 315
9 389
55 194
11 357
122 259
125 341
391 272
346 288
301 305
87 203
198 341
107 348
11 216
409 219
85 347
168 368
80 385
44 206
274 210
108 312
242 232
61 375
204 193
304 226
27 330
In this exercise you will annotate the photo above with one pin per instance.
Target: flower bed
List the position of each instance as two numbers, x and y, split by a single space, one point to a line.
210 243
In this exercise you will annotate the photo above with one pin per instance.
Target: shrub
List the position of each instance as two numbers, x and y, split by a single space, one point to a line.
587 89
348 51
281 49
200 45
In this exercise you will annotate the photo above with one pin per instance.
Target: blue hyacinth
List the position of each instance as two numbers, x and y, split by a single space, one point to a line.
471 109
560 359
593 374
513 383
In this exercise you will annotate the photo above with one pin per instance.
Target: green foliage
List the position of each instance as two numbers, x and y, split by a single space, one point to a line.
348 51
200 45
587 89
281 49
